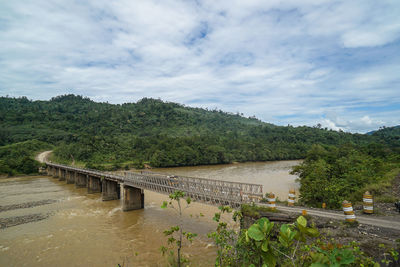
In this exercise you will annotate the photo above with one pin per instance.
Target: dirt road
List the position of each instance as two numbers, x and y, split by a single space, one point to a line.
43 157
363 219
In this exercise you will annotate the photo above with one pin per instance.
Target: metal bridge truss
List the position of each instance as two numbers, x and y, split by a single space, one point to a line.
215 192
209 191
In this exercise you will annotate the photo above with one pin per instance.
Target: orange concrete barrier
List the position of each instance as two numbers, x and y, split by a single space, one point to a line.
271 201
291 197
324 205
348 212
368 203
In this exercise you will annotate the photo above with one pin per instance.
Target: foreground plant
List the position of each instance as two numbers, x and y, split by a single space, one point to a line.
269 247
225 238
176 234
297 244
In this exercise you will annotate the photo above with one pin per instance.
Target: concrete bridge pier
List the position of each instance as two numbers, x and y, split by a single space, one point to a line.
62 175
133 198
70 175
93 184
80 180
55 172
110 190
48 170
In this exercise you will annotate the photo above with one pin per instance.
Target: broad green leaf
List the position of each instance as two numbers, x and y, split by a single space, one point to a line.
302 221
263 221
284 229
267 227
269 259
247 237
255 233
164 204
312 232
264 246
293 235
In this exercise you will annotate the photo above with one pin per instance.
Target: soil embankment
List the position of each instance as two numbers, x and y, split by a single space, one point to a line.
43 157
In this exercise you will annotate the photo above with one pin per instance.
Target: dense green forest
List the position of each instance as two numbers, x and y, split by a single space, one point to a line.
332 174
18 158
159 133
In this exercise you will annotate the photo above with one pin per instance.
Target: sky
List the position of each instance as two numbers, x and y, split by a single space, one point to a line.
336 63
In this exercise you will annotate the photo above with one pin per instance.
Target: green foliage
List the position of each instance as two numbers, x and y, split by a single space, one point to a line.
176 234
332 174
160 133
18 158
296 244
253 210
391 135
225 238
262 244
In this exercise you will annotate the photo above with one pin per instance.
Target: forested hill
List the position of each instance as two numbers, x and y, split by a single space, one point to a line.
156 132
391 135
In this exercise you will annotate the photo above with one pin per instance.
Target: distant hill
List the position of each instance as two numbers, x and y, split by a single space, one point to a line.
391 135
394 130
157 132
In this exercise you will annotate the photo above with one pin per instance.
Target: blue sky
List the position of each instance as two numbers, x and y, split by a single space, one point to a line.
336 63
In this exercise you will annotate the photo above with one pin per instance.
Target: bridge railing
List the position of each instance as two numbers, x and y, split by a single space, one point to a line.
88 171
200 189
206 190
253 190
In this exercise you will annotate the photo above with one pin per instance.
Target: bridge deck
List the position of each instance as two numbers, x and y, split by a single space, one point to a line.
210 191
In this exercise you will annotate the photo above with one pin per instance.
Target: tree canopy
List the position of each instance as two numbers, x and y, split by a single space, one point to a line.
159 133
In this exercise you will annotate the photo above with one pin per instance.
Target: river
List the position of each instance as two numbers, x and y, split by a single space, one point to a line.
72 228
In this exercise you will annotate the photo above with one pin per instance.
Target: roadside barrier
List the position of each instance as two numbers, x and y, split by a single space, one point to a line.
348 211
271 201
368 203
324 205
291 197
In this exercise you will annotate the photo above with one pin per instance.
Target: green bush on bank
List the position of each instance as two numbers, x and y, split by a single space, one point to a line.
254 211
332 174
18 158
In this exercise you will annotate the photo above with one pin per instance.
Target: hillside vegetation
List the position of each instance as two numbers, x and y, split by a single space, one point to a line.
18 158
332 174
157 133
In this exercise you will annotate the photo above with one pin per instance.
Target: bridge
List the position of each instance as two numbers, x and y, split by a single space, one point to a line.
130 186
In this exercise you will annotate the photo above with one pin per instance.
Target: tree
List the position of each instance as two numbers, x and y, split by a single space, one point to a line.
175 233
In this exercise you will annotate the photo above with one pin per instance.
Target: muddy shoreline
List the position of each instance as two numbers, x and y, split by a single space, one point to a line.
27 205
17 220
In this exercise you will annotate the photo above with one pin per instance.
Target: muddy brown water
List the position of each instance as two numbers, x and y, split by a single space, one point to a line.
78 229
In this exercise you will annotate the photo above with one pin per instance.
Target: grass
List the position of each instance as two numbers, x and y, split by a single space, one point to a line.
254 211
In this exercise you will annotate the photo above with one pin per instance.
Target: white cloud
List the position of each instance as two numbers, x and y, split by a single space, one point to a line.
358 124
283 61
